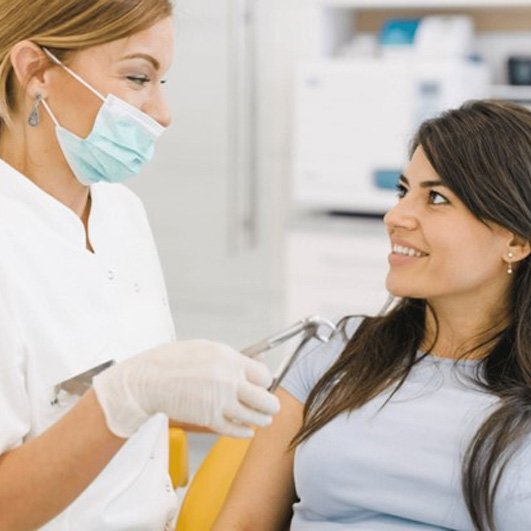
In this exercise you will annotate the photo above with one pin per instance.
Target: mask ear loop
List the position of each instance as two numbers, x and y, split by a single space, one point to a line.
50 113
56 61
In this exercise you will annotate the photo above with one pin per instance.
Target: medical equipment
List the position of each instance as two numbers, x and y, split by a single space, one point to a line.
354 121
314 327
445 36
80 383
519 70
354 118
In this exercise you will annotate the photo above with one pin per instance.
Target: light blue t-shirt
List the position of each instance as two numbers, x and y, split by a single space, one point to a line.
399 469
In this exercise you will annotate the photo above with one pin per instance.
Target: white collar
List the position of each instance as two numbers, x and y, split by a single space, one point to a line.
40 205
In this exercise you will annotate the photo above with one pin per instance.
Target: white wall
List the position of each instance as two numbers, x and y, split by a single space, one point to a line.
217 226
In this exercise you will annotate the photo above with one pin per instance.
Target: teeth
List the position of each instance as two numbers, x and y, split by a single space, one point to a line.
407 251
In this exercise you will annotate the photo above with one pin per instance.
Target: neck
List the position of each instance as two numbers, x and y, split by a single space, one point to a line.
464 327
36 154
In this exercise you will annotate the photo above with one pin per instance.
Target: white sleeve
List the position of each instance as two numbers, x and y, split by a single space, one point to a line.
15 416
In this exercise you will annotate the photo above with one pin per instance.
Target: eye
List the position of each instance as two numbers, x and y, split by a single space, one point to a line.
401 190
437 199
139 80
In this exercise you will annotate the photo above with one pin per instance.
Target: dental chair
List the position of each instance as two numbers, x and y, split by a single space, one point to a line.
178 458
210 484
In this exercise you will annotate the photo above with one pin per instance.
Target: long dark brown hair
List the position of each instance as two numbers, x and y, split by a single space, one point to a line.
482 152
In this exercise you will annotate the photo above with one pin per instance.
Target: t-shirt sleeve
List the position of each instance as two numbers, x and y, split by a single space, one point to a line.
14 401
313 361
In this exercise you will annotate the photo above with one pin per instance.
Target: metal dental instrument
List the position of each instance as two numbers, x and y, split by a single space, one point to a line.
314 327
79 384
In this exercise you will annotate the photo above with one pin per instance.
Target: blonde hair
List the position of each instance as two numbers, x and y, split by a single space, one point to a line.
65 26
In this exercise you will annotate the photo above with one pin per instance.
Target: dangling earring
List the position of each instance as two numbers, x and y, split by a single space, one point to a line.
509 264
33 118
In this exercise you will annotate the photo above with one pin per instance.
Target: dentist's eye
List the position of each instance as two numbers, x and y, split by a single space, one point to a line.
401 190
437 199
139 80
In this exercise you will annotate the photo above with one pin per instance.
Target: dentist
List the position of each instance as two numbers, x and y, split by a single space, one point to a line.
82 297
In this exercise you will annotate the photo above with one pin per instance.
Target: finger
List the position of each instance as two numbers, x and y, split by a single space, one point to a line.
257 373
258 398
242 414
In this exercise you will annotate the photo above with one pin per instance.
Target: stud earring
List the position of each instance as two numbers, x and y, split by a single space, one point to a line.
510 264
33 118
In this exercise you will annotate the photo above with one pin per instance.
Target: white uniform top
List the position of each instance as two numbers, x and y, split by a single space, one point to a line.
64 310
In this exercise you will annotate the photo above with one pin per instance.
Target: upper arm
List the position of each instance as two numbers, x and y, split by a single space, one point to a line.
263 492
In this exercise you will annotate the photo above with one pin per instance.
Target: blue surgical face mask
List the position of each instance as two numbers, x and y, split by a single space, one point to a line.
122 139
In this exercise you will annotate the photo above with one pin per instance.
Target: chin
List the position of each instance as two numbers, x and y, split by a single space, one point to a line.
403 294
404 290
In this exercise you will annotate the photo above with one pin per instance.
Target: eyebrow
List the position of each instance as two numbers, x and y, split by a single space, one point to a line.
423 184
144 56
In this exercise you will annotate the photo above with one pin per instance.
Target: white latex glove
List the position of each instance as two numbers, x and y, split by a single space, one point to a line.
194 382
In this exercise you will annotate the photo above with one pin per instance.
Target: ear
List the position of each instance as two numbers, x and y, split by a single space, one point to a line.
519 249
29 64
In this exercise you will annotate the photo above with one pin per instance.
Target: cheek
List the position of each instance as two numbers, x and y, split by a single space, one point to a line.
137 97
83 115
460 263
477 268
473 255
74 105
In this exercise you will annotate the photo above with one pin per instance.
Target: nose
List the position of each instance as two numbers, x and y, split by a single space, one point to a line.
401 215
159 109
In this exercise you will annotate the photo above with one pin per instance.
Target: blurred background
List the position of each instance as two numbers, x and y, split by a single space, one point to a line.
291 122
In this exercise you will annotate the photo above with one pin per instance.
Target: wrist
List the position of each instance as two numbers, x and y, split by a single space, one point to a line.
121 412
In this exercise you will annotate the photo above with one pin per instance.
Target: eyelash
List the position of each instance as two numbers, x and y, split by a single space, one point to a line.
433 193
142 80
139 80
402 191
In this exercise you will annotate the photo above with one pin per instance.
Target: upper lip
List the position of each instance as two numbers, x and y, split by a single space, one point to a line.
404 243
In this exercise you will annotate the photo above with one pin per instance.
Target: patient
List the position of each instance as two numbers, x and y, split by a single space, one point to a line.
419 418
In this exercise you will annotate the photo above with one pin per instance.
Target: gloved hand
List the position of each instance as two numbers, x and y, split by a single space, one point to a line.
195 382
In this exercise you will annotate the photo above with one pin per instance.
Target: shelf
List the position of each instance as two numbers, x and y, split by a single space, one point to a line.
406 4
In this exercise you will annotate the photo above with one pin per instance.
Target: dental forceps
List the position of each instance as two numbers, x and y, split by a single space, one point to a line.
314 327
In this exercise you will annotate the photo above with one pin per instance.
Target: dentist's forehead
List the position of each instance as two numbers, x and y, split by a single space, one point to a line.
154 45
